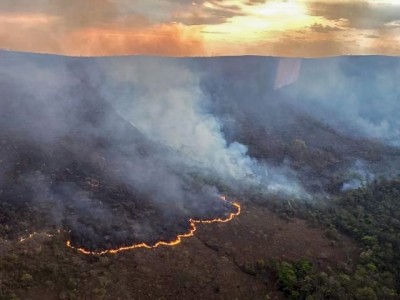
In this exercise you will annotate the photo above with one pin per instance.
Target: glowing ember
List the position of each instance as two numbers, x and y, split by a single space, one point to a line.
163 243
32 235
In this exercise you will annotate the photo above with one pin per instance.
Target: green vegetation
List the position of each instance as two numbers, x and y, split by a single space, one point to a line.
50 266
369 215
302 280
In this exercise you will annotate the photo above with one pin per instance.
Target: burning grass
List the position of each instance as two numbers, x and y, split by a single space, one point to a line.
174 242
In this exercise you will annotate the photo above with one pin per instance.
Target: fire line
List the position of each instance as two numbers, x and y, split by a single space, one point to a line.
175 242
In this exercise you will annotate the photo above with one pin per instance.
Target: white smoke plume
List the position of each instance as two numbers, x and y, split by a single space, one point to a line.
130 141
163 99
358 176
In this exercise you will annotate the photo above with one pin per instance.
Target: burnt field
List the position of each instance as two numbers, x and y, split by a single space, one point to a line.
64 187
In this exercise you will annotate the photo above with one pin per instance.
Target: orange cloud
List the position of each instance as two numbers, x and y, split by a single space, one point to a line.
201 27
28 33
31 19
165 39
132 34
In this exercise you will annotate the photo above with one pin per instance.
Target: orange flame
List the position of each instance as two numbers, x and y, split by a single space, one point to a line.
32 235
175 242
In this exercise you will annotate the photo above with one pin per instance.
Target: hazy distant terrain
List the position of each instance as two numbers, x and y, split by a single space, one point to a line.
124 150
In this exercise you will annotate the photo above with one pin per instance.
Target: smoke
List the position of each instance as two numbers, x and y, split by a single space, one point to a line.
167 105
358 176
327 114
164 100
120 150
358 96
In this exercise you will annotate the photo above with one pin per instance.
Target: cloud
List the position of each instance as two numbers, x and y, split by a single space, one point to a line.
371 36
184 27
359 14
167 39
170 40
302 44
255 2
324 28
206 16
393 24
94 27
27 19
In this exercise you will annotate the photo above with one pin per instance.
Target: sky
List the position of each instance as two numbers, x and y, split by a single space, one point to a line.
295 28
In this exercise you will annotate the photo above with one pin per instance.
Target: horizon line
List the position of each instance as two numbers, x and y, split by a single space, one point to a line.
194 56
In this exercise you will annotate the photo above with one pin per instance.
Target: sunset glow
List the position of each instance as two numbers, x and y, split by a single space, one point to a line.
202 28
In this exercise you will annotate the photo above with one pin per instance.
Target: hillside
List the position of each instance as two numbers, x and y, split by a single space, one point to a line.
113 152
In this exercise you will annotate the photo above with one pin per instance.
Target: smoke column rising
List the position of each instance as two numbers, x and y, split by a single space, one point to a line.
132 142
163 99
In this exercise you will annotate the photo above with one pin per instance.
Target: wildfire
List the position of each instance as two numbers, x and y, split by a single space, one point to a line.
32 235
175 242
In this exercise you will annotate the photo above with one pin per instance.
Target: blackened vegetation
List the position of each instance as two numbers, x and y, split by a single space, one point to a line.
75 179
55 189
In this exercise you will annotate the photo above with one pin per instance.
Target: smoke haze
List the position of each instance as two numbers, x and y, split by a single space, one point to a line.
121 150
89 128
359 96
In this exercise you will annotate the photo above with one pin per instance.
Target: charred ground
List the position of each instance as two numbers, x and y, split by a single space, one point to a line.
73 181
